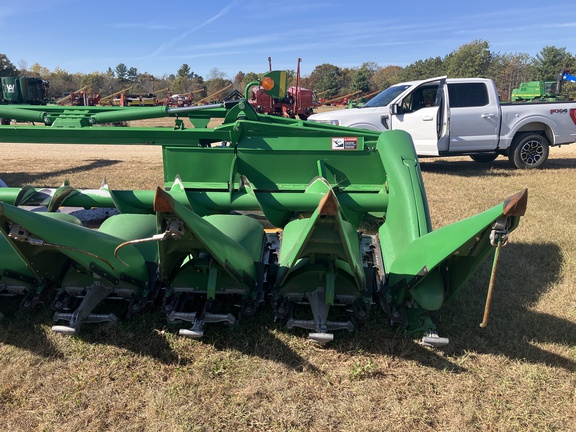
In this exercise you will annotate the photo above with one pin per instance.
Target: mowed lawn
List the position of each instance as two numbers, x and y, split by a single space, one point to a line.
517 374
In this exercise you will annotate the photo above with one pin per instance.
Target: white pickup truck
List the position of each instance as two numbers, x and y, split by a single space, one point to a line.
464 117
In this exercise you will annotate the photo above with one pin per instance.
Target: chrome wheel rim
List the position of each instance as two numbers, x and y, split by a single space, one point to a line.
531 152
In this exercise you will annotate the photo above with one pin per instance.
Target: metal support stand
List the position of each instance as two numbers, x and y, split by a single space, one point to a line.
95 295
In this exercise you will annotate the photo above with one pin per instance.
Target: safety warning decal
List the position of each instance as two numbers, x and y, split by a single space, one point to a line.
347 143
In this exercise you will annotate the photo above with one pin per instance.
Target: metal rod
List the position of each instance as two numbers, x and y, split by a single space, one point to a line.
491 286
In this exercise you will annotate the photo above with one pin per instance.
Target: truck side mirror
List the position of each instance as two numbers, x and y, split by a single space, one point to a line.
396 109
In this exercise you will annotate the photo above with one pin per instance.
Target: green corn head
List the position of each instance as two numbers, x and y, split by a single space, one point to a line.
322 222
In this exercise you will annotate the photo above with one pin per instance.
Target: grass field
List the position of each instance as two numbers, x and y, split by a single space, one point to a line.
517 374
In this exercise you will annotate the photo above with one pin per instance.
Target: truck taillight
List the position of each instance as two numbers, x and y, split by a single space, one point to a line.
573 114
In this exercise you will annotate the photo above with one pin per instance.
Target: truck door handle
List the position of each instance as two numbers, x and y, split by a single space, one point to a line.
427 118
487 115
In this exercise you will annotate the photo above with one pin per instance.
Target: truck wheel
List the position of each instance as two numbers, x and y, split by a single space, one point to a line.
484 157
529 151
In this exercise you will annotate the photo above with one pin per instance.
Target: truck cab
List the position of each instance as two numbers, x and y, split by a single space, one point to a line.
442 115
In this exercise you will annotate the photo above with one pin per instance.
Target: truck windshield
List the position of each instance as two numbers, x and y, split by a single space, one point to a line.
385 97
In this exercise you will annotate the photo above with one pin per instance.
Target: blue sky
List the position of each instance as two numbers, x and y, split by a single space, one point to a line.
239 35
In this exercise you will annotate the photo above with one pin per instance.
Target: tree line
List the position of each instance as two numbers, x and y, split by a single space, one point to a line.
474 59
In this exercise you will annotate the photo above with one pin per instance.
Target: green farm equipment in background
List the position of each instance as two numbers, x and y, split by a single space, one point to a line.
321 222
542 91
534 91
23 90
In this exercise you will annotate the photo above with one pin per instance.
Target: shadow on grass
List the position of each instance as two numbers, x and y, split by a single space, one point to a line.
30 330
141 335
501 167
24 178
254 337
258 336
526 271
498 168
24 330
560 163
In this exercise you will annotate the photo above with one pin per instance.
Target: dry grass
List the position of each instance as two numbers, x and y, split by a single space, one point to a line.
517 374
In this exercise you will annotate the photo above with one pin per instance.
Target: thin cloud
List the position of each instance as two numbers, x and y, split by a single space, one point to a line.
172 42
129 26
241 42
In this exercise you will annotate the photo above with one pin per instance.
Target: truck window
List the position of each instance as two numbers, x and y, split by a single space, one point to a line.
467 95
422 97
385 97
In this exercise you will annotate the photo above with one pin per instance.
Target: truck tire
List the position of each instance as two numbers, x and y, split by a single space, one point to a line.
529 151
484 157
